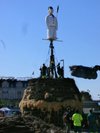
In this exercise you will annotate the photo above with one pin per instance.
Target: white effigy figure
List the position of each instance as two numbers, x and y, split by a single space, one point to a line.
52 25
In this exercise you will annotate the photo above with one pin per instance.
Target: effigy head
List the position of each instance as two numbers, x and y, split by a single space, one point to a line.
50 10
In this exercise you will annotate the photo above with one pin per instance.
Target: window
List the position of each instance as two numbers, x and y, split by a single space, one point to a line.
5 84
19 94
19 84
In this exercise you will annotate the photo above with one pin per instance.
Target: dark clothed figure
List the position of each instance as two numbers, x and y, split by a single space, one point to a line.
43 71
66 121
92 123
48 72
60 71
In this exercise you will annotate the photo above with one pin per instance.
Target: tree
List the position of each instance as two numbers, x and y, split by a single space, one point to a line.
86 96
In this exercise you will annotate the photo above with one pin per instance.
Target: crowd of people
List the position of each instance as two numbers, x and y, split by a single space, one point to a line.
79 122
48 72
70 119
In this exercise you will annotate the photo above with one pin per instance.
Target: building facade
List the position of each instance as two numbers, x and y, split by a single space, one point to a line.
11 88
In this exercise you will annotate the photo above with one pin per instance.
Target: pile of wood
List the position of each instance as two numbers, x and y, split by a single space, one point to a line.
26 124
50 95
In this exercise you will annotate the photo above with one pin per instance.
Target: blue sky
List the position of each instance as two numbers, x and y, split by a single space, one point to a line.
22 28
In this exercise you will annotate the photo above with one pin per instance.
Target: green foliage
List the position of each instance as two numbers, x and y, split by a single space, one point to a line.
6 102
